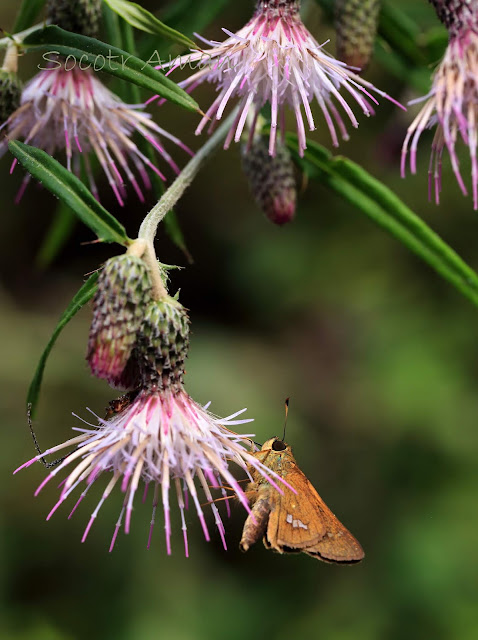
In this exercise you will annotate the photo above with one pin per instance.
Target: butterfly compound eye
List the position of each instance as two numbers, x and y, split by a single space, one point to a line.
278 445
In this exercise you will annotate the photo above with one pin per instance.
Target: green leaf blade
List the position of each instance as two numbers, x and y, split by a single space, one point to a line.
27 14
142 19
380 204
63 184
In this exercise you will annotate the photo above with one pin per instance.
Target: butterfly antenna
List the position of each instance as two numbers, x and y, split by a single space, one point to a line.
286 414
48 465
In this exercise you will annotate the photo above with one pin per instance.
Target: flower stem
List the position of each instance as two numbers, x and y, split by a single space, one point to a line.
145 250
10 62
18 37
150 224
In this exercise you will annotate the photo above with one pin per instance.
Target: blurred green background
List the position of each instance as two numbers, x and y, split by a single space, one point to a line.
377 353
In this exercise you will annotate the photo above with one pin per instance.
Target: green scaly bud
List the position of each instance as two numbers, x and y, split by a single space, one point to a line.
78 16
124 291
271 179
10 94
356 24
163 344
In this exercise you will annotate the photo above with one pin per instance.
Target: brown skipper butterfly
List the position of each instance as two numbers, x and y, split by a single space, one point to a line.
292 522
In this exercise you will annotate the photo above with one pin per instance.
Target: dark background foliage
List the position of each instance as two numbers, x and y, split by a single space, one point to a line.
376 352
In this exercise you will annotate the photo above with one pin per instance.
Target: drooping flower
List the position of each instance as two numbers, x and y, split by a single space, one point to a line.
159 435
69 111
452 104
275 60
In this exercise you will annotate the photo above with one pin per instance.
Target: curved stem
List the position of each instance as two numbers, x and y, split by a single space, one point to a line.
10 62
18 37
149 226
145 250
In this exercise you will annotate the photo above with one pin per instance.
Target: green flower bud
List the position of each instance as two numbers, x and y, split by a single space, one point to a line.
163 344
78 16
271 179
356 23
124 293
10 94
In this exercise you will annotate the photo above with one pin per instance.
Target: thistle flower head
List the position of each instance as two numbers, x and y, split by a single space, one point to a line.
271 179
165 439
157 434
457 15
274 59
69 111
452 104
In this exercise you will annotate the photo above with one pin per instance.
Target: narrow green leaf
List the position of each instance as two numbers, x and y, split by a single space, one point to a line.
401 33
375 200
132 91
100 56
57 235
142 19
85 294
186 16
27 14
111 24
63 184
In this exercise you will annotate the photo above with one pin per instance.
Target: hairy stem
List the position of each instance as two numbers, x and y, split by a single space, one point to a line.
18 37
150 224
145 250
10 62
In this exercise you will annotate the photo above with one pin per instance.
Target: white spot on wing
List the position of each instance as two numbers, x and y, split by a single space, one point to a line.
297 524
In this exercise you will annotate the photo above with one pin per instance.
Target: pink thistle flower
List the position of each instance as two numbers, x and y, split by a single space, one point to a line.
158 434
274 59
452 103
70 111
167 440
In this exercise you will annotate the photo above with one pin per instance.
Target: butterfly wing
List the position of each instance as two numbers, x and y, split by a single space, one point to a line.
303 522
338 544
294 522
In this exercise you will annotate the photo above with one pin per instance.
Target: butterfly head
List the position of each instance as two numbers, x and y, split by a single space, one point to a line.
275 445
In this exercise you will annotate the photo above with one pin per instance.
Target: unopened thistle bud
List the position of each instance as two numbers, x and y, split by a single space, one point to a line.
356 23
78 16
163 345
124 292
271 179
10 94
